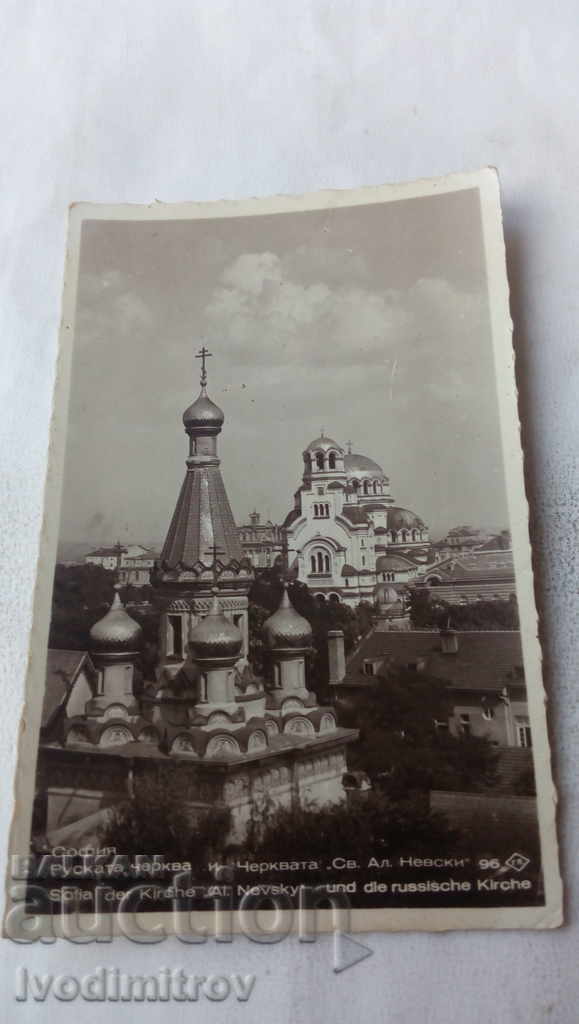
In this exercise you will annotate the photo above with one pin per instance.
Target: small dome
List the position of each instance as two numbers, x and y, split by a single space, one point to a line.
384 593
215 636
116 632
286 627
203 413
362 468
403 518
324 444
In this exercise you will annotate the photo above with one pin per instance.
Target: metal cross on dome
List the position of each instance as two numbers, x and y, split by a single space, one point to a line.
203 354
215 550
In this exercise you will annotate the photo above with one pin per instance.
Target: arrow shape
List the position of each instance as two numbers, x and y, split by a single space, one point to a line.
348 951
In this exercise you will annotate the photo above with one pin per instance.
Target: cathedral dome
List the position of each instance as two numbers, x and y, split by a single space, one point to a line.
116 632
403 518
203 413
362 468
286 627
215 636
324 444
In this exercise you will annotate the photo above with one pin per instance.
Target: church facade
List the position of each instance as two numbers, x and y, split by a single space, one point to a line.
345 533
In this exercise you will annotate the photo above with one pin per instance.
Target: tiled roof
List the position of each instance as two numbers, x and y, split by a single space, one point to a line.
486 660
476 565
393 562
202 518
62 668
349 570
107 552
355 514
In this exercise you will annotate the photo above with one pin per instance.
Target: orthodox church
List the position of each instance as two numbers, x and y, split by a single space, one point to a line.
228 740
345 535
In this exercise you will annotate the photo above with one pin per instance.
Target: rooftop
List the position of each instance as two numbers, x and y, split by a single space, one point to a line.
485 660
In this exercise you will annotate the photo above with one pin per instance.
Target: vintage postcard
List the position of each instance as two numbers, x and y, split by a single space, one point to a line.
285 658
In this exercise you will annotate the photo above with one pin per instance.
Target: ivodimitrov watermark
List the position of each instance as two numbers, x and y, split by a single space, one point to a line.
109 984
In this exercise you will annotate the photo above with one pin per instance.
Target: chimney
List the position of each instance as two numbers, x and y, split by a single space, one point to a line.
336 656
449 641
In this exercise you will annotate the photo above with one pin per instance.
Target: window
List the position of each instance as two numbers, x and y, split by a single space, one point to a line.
332 460
327 510
319 460
375 487
369 668
176 636
366 487
524 738
319 490
320 562
363 560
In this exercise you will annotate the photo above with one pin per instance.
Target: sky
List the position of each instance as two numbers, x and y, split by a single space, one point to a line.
370 322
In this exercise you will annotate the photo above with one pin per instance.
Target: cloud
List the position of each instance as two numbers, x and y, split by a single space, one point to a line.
325 335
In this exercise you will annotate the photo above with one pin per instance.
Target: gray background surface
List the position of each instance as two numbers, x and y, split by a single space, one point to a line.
187 100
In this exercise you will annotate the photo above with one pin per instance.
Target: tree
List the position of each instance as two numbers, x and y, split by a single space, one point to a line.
427 611
400 746
156 820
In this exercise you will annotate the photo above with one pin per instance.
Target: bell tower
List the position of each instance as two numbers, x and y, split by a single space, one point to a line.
202 549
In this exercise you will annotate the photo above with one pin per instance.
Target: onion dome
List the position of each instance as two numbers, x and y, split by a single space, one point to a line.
215 636
203 414
116 632
403 518
361 468
286 627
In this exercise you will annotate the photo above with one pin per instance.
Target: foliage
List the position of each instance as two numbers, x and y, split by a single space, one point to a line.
400 747
427 611
373 827
156 821
82 594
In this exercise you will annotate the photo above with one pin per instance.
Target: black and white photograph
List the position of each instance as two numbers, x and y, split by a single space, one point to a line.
289 637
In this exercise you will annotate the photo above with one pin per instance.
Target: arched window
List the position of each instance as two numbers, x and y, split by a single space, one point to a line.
320 562
319 460
404 536
308 462
332 460
375 487
327 508
316 510
366 487
415 535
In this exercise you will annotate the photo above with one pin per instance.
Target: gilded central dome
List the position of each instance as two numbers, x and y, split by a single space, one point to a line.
215 636
286 627
203 413
116 632
362 468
